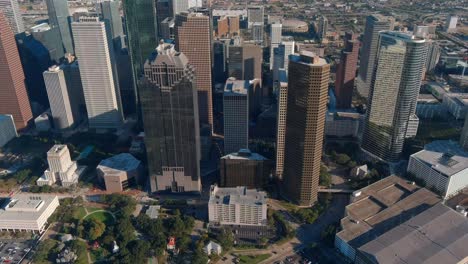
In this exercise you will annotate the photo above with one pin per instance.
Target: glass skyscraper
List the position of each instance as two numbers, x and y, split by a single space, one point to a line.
58 18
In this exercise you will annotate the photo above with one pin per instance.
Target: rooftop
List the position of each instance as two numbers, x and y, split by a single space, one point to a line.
24 207
234 86
237 195
244 154
153 211
444 156
381 206
120 162
308 58
57 149
437 235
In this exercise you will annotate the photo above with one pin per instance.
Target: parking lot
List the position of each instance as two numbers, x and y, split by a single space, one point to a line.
13 251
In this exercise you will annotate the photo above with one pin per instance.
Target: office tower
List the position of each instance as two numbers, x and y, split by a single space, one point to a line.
392 101
257 32
111 15
101 92
278 61
61 168
244 168
346 72
275 39
58 18
164 10
59 98
289 48
374 24
236 116
464 135
220 61
50 38
13 96
433 55
322 27
180 6
10 9
228 26
255 14
245 61
140 19
170 115
305 121
282 92
167 28
193 38
451 24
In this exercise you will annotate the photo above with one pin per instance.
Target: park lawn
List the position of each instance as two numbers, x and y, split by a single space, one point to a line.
103 216
93 209
253 259
79 213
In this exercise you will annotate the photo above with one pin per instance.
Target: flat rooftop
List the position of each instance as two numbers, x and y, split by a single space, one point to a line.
444 156
237 195
235 87
120 162
24 207
437 235
244 154
381 206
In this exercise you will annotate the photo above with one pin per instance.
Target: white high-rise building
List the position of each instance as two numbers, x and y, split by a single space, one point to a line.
288 50
180 6
61 168
97 75
237 206
275 39
236 116
282 90
59 98
10 9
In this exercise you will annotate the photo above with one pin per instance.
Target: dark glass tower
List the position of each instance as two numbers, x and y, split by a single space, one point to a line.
170 117
58 17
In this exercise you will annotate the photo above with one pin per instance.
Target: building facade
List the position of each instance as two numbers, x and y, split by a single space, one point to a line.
346 72
236 116
100 85
245 61
237 206
193 38
282 92
305 124
62 170
171 122
11 11
255 14
59 18
7 129
119 172
391 118
13 95
244 168
374 24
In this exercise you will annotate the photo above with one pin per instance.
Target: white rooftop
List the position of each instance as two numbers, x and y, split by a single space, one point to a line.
24 207
237 195
120 162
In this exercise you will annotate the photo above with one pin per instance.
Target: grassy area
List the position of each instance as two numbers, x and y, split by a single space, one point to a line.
103 216
93 209
79 213
253 259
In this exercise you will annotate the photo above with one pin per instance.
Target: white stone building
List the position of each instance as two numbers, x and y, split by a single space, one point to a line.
61 169
26 212
213 248
237 206
443 165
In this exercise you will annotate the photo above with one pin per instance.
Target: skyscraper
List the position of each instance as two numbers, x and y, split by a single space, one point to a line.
10 9
180 6
395 87
13 96
163 10
346 72
275 39
236 115
305 121
433 56
50 38
282 91
245 61
142 35
170 114
255 14
59 98
193 38
100 87
374 24
322 27
58 18
111 14
278 61
257 32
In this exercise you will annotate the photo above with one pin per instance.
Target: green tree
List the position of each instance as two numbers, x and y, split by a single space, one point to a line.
183 242
94 228
139 250
325 177
226 238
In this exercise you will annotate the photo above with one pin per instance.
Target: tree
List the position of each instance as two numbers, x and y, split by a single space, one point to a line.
199 257
226 238
342 159
325 177
94 228
125 232
139 250
183 242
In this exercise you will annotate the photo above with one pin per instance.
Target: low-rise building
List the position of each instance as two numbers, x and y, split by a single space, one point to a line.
7 129
343 124
456 104
442 165
26 212
437 235
213 248
119 172
62 170
237 206
244 168
379 207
